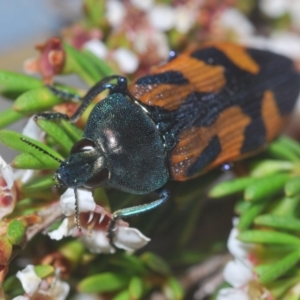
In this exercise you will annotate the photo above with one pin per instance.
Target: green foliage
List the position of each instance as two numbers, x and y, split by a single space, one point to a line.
269 213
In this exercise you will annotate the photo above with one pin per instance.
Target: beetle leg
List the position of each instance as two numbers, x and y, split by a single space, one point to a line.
164 195
67 96
102 85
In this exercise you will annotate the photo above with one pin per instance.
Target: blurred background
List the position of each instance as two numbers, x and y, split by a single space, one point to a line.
23 24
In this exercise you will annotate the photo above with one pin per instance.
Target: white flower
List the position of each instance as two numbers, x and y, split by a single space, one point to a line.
237 248
277 8
232 294
94 221
274 8
162 17
115 12
126 238
97 47
129 239
232 19
29 280
239 272
86 202
185 19
8 195
34 132
142 5
284 43
128 62
144 41
35 286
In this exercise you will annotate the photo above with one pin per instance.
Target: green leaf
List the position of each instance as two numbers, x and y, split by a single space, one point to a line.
279 150
242 206
231 187
103 283
292 187
173 290
13 140
95 13
130 262
136 288
102 67
16 83
290 144
248 216
73 251
269 273
73 131
155 263
38 184
36 100
15 232
9 116
287 206
268 167
265 187
124 295
57 133
279 287
268 237
79 64
43 271
280 222
28 161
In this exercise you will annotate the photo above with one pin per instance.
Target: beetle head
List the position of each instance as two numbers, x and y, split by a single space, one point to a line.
85 167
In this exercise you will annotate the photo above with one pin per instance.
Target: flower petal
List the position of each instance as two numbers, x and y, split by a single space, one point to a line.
29 280
129 238
237 273
237 248
59 290
86 202
233 19
185 19
7 173
162 17
33 131
97 242
97 47
21 298
115 12
7 189
142 5
126 59
232 294
274 8
62 231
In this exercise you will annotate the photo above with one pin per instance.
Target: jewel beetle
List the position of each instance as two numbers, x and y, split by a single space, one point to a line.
215 104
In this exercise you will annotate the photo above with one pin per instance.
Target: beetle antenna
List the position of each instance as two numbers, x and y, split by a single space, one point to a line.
77 222
40 149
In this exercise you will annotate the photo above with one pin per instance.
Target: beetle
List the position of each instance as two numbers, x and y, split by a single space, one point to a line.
208 106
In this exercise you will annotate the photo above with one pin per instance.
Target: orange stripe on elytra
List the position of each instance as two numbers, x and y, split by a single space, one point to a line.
237 54
271 116
201 76
229 127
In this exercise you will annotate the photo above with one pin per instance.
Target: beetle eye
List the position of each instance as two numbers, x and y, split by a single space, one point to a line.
82 145
97 180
